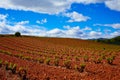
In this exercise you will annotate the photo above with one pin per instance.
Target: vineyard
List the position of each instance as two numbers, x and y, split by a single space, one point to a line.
40 58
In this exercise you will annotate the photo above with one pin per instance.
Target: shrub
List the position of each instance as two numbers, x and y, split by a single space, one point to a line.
14 68
67 64
20 71
98 60
103 48
47 78
82 67
19 55
47 61
23 73
110 60
68 57
85 58
77 68
102 55
17 34
10 66
1 63
6 65
56 62
113 56
76 58
40 60
8 53
1 51
27 57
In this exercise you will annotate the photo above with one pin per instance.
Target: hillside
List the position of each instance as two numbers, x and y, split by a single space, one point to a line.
115 40
42 58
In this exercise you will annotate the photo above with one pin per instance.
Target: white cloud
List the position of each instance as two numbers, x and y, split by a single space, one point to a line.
22 23
107 30
3 20
113 4
40 6
3 17
94 33
38 22
114 34
67 31
87 28
74 31
66 27
88 1
55 33
71 32
115 25
7 28
42 21
52 6
76 17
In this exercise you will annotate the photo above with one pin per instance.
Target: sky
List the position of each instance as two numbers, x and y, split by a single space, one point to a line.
83 19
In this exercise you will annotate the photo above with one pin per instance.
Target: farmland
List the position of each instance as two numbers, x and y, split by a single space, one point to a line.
40 58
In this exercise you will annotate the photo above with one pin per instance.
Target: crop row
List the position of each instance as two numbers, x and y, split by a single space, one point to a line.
65 63
39 71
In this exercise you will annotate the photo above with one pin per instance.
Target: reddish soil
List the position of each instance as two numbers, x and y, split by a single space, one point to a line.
26 52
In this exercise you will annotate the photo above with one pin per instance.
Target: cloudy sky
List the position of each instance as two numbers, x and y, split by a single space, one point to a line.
84 19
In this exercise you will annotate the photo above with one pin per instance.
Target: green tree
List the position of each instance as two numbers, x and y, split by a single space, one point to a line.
17 34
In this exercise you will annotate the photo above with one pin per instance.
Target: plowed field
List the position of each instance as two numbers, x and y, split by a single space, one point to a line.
39 58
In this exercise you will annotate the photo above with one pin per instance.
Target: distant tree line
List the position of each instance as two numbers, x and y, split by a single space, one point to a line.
115 40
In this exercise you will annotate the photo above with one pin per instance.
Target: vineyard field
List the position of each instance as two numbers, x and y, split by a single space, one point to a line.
43 58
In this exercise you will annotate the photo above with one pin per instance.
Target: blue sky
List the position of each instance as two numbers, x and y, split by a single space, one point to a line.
85 19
